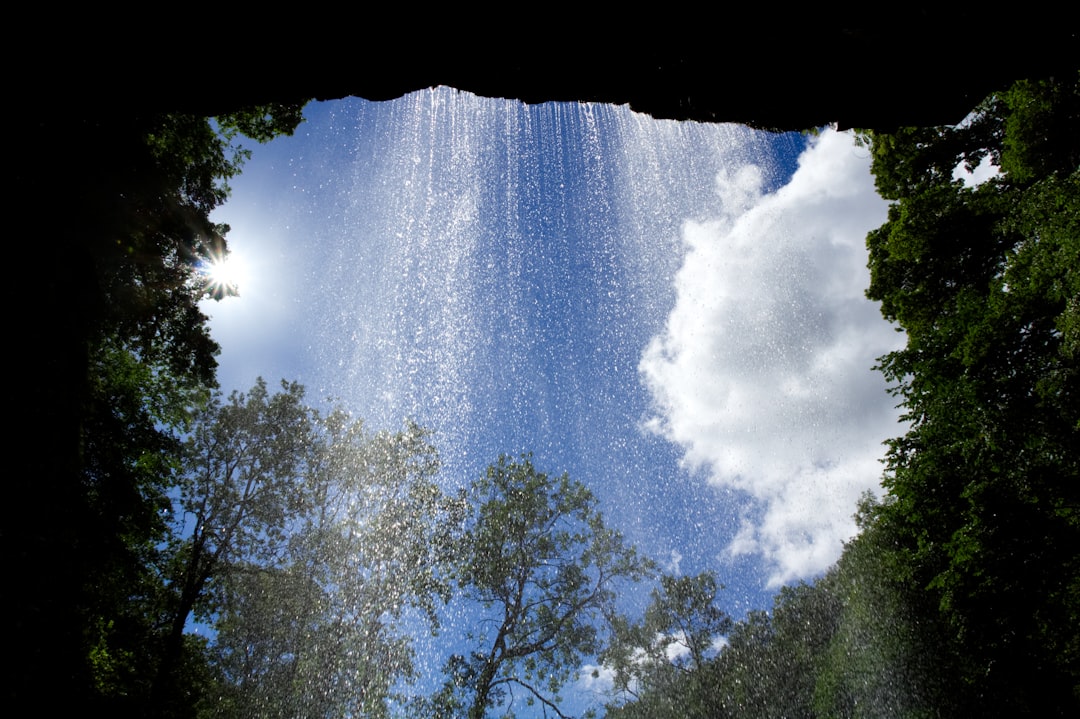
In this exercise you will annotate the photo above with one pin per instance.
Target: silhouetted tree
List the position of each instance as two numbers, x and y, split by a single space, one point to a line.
117 351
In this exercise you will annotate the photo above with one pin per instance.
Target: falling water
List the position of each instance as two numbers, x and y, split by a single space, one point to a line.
496 272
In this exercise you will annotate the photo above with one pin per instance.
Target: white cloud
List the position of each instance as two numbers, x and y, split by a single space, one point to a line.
676 647
672 566
596 679
599 679
978 175
763 373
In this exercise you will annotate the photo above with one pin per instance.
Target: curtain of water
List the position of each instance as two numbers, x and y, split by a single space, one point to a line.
621 296
503 266
627 298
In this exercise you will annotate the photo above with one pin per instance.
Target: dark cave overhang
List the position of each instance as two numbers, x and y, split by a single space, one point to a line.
880 70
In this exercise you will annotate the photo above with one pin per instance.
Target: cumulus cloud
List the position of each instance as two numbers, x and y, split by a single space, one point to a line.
763 372
596 679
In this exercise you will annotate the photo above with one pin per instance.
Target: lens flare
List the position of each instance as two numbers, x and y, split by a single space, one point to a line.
222 274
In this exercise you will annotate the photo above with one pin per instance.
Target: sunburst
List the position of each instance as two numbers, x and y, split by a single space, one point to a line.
222 274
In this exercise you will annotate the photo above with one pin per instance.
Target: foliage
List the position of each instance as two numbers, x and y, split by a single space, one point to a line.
658 660
767 667
539 562
855 643
302 540
120 216
983 489
240 484
129 461
156 231
772 662
678 635
318 633
889 654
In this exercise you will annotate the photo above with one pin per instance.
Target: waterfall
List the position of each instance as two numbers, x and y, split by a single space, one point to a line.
500 273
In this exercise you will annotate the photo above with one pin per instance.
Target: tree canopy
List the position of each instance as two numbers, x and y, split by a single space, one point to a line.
117 354
314 626
302 541
543 567
984 280
656 661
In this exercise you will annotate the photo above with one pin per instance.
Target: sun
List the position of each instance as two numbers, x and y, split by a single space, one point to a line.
222 274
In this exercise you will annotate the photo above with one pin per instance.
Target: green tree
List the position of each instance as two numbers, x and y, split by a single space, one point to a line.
319 633
772 661
119 214
306 542
985 486
658 660
890 654
539 562
241 484
129 460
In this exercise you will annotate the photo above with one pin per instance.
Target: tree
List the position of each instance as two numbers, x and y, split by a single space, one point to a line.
768 666
657 660
118 212
891 653
241 484
540 563
984 488
304 540
772 662
318 633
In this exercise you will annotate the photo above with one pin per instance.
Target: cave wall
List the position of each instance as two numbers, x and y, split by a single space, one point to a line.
764 66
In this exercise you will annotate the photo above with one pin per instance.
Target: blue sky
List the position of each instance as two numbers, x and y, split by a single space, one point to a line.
673 313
